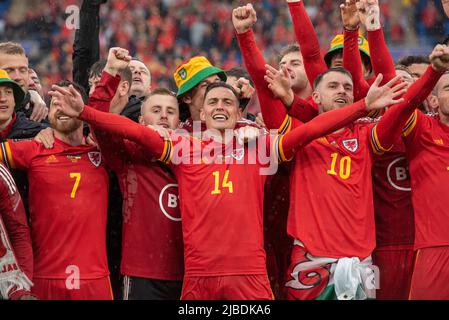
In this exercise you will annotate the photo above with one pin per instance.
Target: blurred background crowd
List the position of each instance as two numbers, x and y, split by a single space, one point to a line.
163 33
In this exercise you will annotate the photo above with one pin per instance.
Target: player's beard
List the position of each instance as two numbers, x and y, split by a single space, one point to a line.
65 127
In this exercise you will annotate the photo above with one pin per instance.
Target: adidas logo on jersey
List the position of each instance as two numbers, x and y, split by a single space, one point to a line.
51 159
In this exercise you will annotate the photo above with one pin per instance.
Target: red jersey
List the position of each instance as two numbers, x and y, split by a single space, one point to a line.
221 206
152 237
331 211
68 207
151 234
427 149
393 199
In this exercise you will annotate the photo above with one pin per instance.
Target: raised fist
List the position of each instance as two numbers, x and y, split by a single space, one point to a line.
244 18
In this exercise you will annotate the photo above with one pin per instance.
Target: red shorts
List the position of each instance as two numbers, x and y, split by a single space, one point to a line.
431 274
396 267
241 287
56 289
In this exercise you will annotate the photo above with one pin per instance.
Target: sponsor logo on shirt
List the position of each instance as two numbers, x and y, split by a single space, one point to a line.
168 202
95 158
51 159
398 175
351 144
439 141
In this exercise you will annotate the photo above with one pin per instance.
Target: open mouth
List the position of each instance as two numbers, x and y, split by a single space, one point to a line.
164 125
220 117
63 118
341 101
4 108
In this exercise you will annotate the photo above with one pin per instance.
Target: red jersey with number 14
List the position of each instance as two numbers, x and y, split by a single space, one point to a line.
221 206
68 199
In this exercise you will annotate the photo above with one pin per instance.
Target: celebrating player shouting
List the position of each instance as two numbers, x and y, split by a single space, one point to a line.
223 237
332 235
68 201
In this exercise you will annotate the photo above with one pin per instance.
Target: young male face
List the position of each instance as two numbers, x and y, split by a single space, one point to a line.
17 67
161 110
59 121
141 79
220 109
7 103
195 97
334 91
295 66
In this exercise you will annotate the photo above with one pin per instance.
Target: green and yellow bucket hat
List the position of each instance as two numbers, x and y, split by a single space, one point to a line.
337 43
19 94
191 73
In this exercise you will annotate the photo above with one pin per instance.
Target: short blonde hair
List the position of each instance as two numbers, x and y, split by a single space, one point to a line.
12 48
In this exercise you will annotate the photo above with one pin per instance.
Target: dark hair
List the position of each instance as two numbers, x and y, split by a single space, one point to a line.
221 84
409 60
403 68
67 83
446 41
337 69
239 72
366 60
293 47
97 68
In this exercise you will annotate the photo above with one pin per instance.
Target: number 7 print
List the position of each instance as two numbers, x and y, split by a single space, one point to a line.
77 177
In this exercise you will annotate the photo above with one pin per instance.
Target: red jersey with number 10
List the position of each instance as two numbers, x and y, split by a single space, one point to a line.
68 199
331 207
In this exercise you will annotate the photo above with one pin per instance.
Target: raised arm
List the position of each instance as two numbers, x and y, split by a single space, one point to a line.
328 122
86 46
72 105
381 59
390 126
314 63
273 110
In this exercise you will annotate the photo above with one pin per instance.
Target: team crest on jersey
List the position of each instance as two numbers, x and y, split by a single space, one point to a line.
351 144
238 154
95 158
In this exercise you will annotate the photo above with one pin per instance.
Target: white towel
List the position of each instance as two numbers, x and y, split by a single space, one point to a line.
352 277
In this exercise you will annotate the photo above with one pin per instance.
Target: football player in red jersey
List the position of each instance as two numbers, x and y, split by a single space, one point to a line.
16 253
68 223
152 250
426 139
223 238
332 235
393 209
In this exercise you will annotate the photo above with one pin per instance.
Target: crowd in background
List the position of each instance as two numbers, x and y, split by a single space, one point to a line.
161 32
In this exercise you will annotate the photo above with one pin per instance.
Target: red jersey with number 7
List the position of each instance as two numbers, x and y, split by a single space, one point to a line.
68 199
